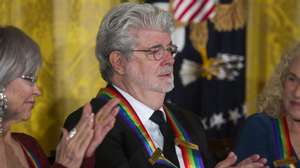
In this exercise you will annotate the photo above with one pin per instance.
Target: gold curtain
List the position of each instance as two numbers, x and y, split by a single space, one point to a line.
273 27
69 76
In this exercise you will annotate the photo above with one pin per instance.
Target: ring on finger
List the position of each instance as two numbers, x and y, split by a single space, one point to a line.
72 133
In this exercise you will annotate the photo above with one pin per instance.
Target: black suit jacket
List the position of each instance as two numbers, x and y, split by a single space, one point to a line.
121 148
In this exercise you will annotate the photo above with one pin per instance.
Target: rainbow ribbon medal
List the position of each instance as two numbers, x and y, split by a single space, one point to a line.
190 152
283 146
192 158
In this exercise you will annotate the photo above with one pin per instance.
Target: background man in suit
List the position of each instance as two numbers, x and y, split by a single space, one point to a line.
136 56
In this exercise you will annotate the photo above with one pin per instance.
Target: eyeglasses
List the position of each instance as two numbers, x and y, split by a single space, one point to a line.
158 52
292 80
31 79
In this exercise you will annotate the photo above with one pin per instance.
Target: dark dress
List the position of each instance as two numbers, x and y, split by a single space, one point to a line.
35 156
256 137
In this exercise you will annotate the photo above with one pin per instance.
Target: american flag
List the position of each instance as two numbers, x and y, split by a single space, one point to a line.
193 11
218 101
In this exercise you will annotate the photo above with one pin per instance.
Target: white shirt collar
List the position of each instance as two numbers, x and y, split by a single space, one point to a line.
143 111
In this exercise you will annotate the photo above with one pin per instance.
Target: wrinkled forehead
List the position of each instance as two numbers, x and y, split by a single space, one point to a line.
148 37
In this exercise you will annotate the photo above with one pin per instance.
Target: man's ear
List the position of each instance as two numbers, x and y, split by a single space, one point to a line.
117 62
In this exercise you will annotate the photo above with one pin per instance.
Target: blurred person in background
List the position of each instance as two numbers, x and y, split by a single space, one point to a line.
274 132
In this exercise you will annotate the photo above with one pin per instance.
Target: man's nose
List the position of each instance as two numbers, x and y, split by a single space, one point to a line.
168 58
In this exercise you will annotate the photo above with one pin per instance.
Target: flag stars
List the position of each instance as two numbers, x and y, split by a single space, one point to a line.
204 124
217 120
234 115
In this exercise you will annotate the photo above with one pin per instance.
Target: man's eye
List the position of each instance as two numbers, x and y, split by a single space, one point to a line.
155 49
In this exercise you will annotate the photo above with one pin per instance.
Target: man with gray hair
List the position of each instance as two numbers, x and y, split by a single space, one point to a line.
136 56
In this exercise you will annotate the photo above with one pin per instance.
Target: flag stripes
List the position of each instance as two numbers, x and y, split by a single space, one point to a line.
193 11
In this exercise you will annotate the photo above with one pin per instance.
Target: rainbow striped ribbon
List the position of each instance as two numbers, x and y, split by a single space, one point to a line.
32 159
192 159
283 146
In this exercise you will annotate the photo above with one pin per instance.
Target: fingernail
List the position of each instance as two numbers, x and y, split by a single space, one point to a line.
92 117
117 109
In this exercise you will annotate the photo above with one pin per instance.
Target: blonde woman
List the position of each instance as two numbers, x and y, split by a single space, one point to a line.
274 132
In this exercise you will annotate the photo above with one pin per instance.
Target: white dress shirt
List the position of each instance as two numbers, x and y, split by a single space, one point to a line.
144 113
